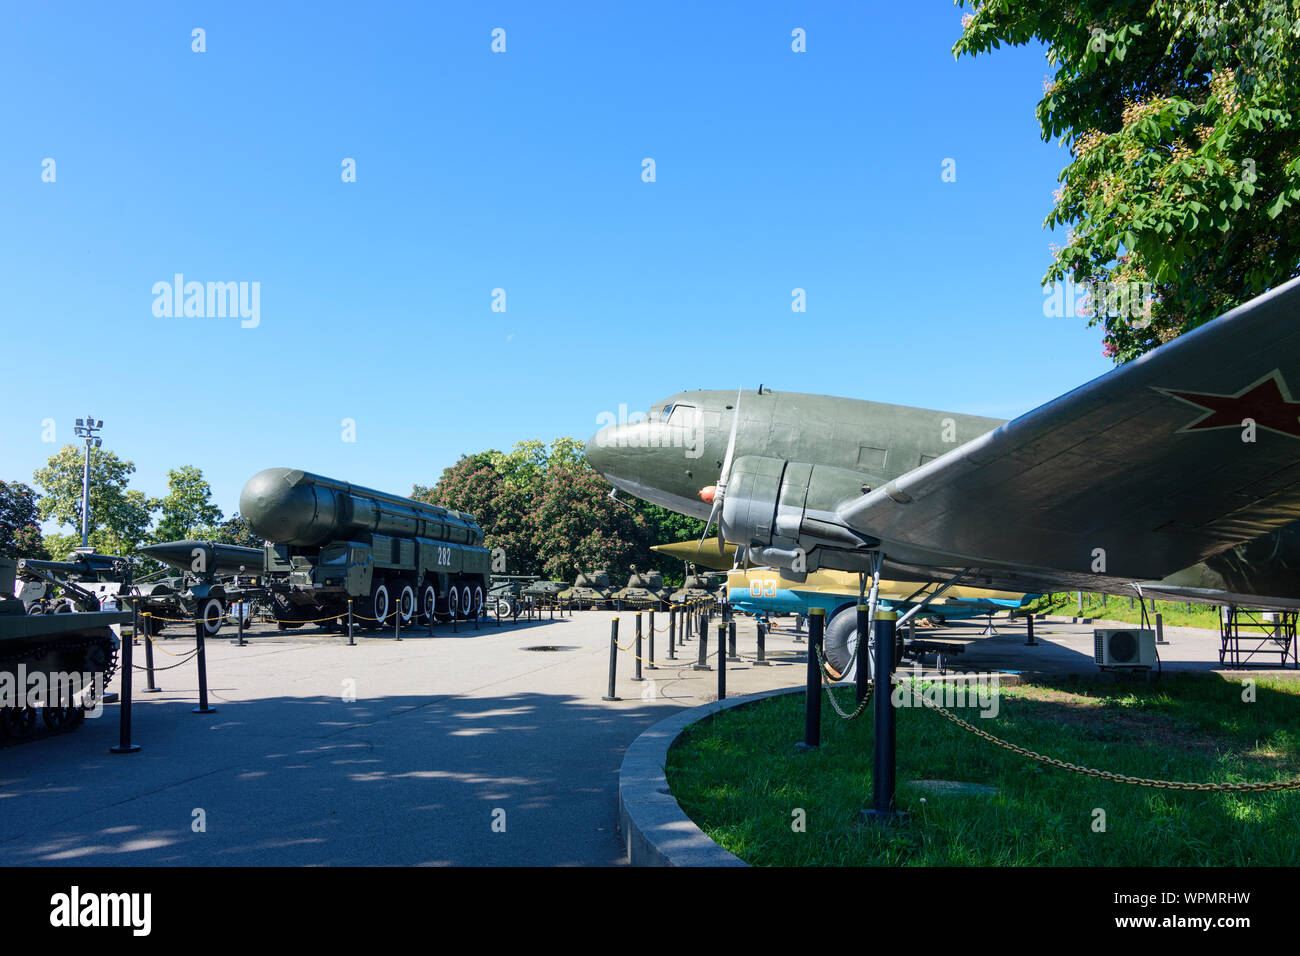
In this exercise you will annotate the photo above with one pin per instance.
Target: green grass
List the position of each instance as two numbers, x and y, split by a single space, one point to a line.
1111 608
738 776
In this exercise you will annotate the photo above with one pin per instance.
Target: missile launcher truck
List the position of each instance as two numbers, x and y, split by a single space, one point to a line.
329 542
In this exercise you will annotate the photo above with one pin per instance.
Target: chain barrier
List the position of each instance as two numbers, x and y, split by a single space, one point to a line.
1250 787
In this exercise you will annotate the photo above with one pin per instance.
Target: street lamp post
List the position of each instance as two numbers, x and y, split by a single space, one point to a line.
86 428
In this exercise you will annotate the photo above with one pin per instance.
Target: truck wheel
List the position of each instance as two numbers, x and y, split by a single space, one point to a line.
211 613
406 603
478 600
428 604
380 605
453 601
466 601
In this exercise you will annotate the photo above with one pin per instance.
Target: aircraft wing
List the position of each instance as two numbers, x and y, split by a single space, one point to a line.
1149 469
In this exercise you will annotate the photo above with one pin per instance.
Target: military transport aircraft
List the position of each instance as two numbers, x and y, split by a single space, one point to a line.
1178 473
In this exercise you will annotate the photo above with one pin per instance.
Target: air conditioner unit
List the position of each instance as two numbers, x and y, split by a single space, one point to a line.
1124 647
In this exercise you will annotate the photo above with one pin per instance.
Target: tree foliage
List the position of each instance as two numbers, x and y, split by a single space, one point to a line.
552 515
186 511
1184 186
20 528
119 517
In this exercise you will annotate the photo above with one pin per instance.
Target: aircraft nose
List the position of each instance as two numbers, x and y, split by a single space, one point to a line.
600 450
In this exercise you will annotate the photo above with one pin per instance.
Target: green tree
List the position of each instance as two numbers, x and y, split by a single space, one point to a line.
1180 117
187 509
119 517
20 527
234 530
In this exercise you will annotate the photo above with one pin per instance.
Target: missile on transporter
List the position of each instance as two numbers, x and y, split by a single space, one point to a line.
331 544
204 557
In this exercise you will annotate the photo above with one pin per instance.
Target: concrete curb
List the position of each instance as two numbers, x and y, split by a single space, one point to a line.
655 830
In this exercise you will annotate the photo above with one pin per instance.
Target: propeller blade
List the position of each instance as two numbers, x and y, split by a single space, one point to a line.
720 489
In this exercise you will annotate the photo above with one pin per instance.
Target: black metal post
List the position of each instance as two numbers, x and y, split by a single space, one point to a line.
1030 641
700 664
351 640
203 707
149 686
613 659
885 758
864 652
239 620
124 745
731 639
812 706
397 623
672 633
650 662
762 644
722 661
1160 629
638 647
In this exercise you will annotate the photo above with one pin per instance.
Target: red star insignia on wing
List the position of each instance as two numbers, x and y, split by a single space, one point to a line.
1266 401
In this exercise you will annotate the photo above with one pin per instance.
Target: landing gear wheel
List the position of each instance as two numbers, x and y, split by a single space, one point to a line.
428 603
380 605
838 642
406 604
211 613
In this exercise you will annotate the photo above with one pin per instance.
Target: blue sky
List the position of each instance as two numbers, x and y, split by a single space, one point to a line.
522 171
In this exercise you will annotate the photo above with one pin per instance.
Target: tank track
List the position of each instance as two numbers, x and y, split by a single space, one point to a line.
42 730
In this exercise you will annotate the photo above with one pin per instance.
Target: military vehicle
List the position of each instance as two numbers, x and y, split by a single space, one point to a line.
644 590
503 596
328 542
698 586
65 659
212 575
86 581
544 593
589 591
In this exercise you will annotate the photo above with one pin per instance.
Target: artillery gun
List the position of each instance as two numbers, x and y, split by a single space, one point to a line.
504 595
331 544
53 667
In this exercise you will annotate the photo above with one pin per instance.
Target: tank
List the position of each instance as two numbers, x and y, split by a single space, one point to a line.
544 593
55 657
331 544
589 591
644 590
698 586
503 598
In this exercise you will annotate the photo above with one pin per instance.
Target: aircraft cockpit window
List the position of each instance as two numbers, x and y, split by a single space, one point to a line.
668 410
682 415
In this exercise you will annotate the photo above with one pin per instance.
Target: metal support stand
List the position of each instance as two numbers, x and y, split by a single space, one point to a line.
1160 629
863 677
885 757
722 661
1030 640
812 707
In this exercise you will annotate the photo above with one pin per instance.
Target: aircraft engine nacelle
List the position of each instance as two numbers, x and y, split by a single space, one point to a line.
784 511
